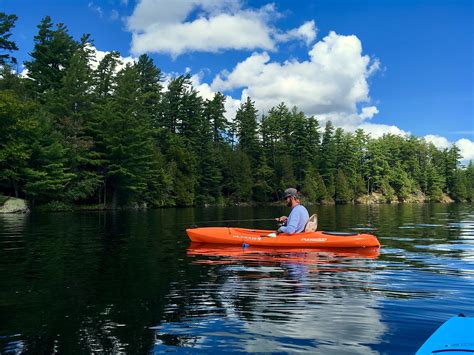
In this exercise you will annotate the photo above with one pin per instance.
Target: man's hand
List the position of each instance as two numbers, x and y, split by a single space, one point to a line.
283 219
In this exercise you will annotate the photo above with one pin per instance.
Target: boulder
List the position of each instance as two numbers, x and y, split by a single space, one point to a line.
14 205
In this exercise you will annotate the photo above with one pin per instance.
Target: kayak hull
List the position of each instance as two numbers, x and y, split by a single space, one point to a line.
455 336
258 237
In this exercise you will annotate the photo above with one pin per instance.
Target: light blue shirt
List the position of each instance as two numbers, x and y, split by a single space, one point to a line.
296 220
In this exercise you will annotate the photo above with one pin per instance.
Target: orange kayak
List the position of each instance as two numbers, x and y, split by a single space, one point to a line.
318 239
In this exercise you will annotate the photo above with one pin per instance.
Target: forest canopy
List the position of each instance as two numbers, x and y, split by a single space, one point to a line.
80 134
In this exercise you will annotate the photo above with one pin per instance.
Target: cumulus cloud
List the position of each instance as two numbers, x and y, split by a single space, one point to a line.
177 27
466 146
368 112
331 82
378 130
204 90
99 55
306 32
438 141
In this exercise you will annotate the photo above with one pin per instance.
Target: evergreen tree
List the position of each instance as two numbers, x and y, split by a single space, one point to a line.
104 81
50 57
284 173
246 120
300 146
435 183
238 179
16 129
214 114
71 108
343 192
6 45
459 190
401 182
451 158
263 188
47 175
470 181
173 105
127 140
182 165
328 154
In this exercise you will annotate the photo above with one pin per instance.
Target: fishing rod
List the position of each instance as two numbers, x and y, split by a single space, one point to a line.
237 220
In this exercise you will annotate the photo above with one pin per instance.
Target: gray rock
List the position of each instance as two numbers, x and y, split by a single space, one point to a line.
14 205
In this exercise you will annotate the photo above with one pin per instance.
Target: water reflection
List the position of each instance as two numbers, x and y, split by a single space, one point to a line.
131 282
228 254
264 299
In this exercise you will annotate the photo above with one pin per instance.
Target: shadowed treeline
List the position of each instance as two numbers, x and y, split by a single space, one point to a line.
75 132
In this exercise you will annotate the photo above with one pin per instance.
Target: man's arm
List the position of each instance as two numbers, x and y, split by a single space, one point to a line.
291 224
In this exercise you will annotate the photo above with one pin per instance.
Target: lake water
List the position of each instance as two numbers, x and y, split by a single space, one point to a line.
131 282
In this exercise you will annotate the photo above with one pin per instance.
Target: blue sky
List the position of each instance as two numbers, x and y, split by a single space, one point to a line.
404 67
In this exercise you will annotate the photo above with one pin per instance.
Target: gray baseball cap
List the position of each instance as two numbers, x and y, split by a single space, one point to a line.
290 192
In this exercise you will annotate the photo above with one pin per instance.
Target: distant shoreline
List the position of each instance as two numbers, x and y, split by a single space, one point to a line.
11 205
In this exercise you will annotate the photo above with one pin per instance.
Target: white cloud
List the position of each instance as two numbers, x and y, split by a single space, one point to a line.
165 26
306 32
332 82
378 130
368 112
438 141
466 148
231 105
99 55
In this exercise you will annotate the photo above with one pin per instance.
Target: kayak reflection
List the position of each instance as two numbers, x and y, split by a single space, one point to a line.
226 254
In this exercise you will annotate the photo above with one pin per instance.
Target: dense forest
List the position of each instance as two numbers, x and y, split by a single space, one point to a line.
73 133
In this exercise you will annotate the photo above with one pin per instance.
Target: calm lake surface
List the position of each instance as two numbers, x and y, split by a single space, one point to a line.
131 282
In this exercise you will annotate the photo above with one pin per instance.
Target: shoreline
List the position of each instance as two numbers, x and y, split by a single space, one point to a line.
12 205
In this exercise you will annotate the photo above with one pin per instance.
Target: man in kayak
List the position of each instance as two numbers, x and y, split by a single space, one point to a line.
298 217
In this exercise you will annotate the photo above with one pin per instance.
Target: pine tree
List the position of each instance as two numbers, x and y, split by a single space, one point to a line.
104 80
238 181
16 129
328 154
214 114
435 183
6 45
263 188
51 57
451 158
343 192
47 175
126 138
246 120
459 190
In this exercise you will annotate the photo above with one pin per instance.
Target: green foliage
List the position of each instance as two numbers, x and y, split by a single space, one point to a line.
343 192
6 24
16 128
51 57
47 175
246 120
328 154
54 206
263 187
314 188
71 134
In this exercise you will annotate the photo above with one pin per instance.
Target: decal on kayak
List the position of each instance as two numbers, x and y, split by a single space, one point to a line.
247 237
314 239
